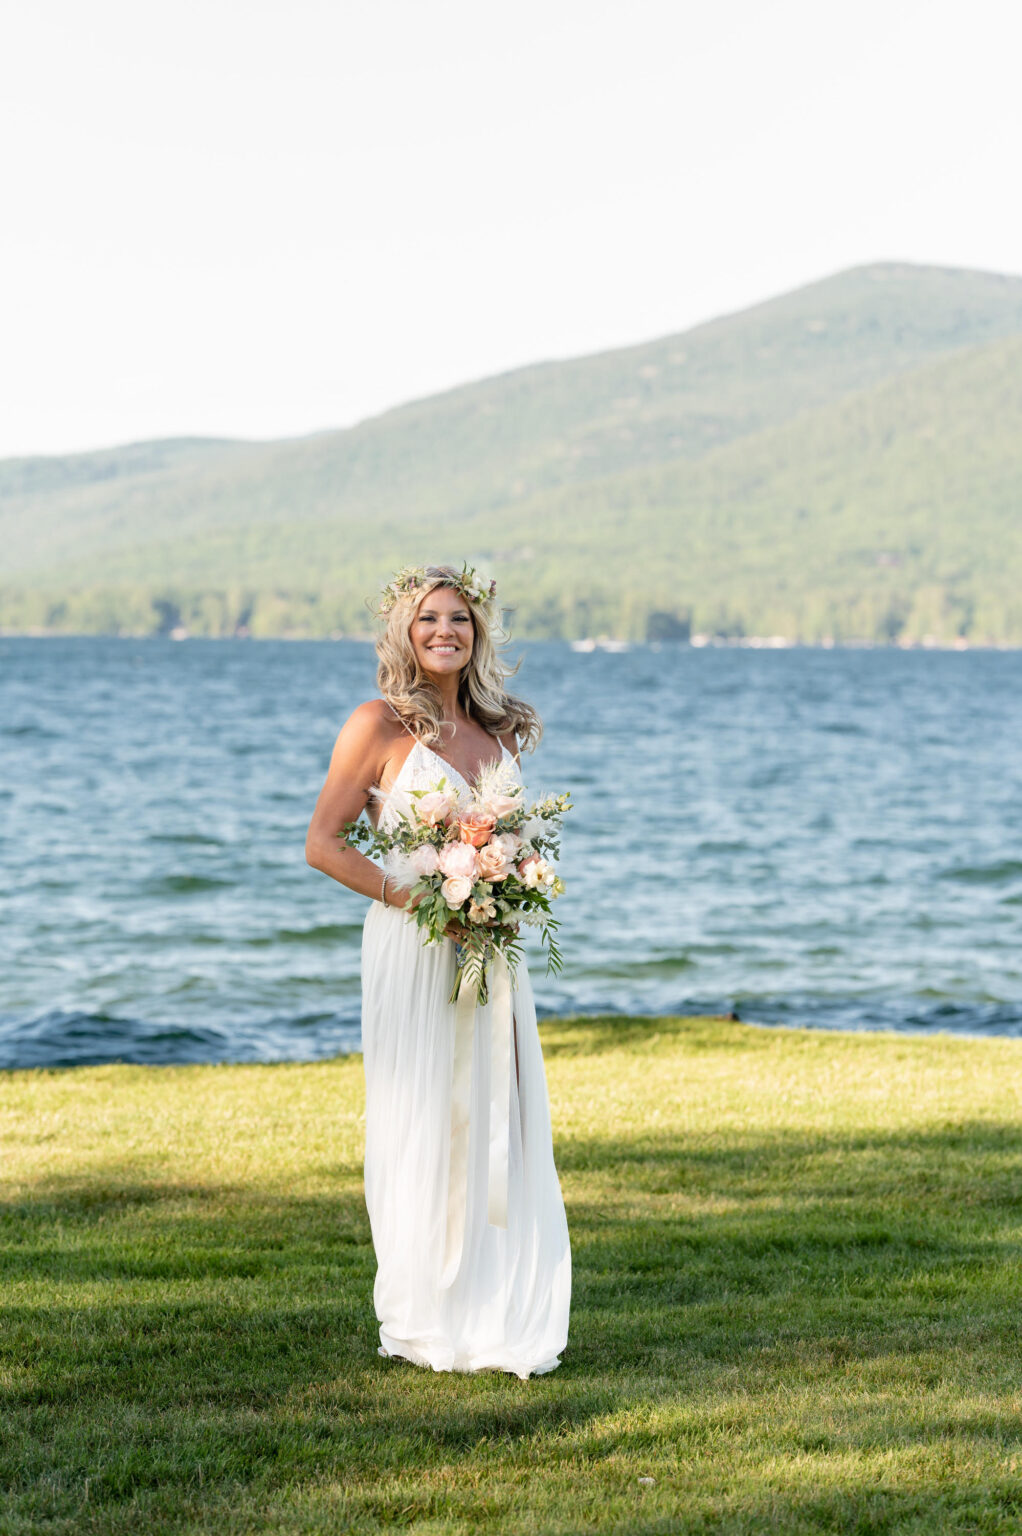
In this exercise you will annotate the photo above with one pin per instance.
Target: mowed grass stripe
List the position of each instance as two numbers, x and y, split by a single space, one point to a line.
796 1303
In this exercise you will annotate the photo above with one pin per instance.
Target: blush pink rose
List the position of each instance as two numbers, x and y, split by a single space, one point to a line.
502 805
456 890
476 825
509 843
425 861
493 863
435 808
457 859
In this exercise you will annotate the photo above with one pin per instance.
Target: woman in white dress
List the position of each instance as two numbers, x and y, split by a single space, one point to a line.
465 1281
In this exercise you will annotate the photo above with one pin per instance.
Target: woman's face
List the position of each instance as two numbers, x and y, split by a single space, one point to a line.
442 632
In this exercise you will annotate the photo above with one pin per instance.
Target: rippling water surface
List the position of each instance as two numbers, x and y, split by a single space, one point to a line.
830 838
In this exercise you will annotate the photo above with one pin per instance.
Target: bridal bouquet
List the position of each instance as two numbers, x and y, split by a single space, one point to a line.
478 859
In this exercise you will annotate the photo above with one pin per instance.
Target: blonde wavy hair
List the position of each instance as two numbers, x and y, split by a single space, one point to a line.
481 691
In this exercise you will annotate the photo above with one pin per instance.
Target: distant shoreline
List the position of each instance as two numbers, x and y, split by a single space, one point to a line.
580 644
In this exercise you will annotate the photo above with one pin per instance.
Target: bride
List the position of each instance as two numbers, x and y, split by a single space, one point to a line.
463 1283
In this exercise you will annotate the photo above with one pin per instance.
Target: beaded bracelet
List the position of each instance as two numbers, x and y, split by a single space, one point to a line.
383 888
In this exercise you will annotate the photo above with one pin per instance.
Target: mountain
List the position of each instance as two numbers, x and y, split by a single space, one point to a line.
840 461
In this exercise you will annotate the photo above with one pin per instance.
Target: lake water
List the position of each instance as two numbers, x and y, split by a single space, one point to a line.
824 838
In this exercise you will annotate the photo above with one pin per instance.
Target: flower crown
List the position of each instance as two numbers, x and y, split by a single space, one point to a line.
410 579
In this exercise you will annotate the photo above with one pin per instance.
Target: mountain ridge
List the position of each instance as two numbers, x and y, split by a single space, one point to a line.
488 461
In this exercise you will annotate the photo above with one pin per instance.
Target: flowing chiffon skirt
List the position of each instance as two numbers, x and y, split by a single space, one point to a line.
507 1306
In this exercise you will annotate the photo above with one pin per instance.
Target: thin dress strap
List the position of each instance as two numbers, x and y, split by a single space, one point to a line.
397 717
411 733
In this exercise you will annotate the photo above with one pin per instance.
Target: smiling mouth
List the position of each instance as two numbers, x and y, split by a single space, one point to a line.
443 650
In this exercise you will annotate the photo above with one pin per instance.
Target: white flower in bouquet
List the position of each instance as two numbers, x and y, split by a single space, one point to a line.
471 881
456 890
536 873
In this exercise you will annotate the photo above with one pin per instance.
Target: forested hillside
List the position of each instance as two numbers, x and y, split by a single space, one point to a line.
842 462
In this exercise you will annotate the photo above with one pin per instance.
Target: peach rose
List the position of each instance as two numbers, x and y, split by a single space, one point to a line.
425 861
457 859
493 863
456 890
434 808
476 825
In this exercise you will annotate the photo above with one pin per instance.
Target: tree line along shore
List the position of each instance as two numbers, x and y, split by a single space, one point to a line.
841 464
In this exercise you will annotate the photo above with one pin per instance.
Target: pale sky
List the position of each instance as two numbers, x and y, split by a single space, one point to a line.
259 218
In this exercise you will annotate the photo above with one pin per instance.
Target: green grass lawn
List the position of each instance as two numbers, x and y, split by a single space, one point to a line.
797 1299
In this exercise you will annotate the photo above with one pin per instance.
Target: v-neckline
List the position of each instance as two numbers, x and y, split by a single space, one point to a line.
397 781
452 766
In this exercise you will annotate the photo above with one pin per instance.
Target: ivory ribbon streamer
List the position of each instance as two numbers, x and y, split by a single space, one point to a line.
499 1113
500 1092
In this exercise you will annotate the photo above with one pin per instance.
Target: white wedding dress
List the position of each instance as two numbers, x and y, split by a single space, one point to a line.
452 1290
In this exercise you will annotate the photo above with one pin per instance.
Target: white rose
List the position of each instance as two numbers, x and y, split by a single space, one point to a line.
456 890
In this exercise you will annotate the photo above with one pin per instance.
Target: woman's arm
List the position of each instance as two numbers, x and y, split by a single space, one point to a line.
360 753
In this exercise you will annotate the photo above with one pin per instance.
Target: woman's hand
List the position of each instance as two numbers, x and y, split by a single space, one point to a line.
401 896
457 931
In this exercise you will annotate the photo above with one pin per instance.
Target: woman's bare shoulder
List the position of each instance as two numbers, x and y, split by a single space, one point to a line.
376 711
510 740
372 720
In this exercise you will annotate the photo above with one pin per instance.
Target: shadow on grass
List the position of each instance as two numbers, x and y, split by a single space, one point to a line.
860 1509
149 1329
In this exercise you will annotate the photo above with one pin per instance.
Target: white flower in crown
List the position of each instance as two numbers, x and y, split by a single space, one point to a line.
478 588
473 587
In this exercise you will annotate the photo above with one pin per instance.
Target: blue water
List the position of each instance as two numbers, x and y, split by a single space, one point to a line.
828 838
